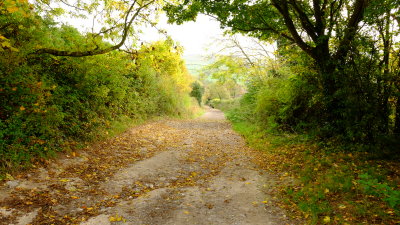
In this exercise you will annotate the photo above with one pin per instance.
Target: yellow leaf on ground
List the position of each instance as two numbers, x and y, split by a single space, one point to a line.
9 177
327 219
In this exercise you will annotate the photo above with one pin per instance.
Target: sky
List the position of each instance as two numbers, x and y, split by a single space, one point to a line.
195 37
199 38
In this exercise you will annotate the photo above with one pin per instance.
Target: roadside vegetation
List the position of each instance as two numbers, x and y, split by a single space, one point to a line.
323 106
53 103
339 179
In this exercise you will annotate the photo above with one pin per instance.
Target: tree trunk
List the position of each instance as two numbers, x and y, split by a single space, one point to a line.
329 81
397 120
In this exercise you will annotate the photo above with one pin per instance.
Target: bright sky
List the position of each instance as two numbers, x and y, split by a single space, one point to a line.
195 37
200 38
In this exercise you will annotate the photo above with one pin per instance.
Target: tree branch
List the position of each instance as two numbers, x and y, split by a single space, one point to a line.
127 25
236 42
352 27
319 24
284 11
72 6
333 11
274 30
305 22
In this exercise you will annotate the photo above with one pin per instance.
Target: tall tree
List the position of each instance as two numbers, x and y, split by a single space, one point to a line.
326 30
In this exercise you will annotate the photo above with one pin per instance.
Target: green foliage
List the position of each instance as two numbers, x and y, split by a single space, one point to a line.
336 83
50 103
225 104
224 77
215 90
197 91
371 186
316 183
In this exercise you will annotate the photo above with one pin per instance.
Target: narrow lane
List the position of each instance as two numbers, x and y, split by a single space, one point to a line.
171 172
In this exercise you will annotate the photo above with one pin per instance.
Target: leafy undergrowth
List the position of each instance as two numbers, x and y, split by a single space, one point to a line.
325 186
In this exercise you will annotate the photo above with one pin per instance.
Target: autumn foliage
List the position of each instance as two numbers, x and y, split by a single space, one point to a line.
50 103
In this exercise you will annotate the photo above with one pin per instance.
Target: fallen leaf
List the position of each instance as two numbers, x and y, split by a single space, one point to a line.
327 219
116 218
9 177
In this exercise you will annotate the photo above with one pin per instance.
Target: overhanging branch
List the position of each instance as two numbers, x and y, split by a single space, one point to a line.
127 26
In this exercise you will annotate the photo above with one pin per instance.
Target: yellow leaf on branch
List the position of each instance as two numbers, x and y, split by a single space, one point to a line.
12 9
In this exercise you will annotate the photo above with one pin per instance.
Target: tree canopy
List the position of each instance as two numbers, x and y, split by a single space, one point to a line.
338 36
112 23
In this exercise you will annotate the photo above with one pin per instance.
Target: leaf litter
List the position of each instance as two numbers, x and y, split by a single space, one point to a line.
164 172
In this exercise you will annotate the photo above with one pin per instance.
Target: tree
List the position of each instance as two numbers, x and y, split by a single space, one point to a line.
338 35
112 21
323 29
311 25
197 91
227 71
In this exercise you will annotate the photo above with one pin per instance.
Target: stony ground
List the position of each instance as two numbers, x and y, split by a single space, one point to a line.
165 172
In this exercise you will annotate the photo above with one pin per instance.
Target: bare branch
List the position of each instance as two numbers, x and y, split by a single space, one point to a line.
72 6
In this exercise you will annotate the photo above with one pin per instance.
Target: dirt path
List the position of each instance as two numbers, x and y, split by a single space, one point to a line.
166 172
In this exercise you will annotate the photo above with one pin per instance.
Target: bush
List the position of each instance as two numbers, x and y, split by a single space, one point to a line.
197 91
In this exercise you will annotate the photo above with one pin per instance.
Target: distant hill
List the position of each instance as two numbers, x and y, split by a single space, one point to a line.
195 62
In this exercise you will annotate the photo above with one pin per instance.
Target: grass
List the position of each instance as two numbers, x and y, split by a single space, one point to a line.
327 186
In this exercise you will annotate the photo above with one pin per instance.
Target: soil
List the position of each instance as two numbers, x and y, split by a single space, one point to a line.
168 172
